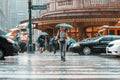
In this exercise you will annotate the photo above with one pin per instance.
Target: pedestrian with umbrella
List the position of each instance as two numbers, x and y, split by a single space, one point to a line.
62 36
41 40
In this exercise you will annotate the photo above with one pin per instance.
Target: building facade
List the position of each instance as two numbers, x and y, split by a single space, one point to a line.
10 11
15 11
21 10
4 14
86 16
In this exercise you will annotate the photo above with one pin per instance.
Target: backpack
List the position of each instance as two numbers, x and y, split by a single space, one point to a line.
52 40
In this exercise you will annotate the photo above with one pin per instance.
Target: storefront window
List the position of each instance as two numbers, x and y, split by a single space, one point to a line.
73 29
92 31
111 32
118 32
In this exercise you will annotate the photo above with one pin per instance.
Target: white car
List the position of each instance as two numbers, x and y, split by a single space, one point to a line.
113 48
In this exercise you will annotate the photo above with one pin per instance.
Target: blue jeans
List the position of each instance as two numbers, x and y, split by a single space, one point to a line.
54 47
62 49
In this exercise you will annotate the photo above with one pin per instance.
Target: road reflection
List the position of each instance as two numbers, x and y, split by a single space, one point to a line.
46 65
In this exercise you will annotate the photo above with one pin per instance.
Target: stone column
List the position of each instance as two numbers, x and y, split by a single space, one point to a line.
81 31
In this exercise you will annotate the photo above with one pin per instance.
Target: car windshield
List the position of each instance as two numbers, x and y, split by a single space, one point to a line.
90 39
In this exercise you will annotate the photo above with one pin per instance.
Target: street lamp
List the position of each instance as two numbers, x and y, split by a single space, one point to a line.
30 45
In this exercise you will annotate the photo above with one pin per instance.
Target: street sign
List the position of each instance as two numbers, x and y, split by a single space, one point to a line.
39 7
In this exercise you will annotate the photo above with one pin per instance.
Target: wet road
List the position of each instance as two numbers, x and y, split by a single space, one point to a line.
48 66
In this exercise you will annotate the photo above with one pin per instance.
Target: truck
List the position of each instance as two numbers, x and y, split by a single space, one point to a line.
108 30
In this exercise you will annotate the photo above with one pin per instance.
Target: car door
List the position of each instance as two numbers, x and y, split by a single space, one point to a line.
102 43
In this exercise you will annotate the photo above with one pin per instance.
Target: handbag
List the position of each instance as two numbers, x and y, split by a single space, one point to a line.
56 41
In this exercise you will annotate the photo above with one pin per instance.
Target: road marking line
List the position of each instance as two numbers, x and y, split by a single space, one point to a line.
59 76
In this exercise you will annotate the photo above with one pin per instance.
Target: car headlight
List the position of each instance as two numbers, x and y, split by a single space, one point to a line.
76 45
110 45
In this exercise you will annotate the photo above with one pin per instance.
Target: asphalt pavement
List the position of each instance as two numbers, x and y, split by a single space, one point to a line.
48 66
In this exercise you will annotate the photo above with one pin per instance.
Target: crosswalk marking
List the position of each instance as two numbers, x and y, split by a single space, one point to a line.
52 72
38 66
59 76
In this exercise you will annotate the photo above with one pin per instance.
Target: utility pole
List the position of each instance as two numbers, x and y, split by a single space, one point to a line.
30 44
30 8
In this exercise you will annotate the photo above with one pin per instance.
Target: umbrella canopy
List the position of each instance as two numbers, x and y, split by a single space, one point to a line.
72 40
63 24
43 33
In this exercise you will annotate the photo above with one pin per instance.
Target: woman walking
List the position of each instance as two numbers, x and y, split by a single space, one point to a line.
62 36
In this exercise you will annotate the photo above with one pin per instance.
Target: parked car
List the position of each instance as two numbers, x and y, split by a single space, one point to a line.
14 43
96 44
7 47
113 48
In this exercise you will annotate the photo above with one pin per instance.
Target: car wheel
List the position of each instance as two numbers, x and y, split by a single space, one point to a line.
1 55
86 50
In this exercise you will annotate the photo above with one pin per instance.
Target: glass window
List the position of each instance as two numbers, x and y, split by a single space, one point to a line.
111 32
118 32
67 2
106 39
115 38
73 29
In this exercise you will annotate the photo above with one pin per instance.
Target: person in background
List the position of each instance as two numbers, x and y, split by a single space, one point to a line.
53 44
41 40
23 41
46 43
37 44
62 36
70 41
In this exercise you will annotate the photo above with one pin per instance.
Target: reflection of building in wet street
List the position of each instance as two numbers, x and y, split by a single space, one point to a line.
86 16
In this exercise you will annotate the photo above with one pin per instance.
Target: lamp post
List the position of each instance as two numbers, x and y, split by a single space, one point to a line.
30 45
